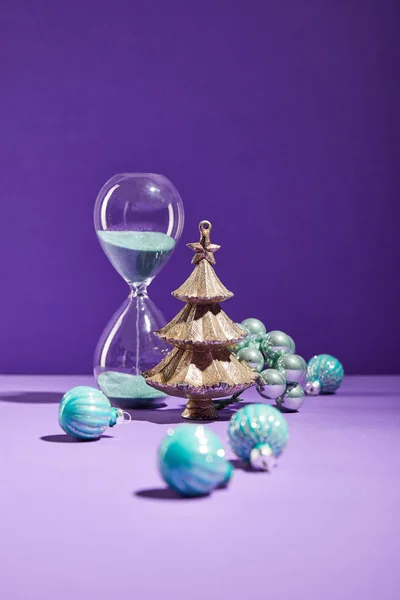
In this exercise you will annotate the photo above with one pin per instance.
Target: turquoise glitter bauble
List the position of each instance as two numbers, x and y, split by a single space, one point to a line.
85 413
271 384
292 400
258 434
324 375
254 326
275 344
293 366
192 460
252 357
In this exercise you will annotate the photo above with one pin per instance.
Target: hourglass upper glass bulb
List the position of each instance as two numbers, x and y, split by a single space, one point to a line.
138 219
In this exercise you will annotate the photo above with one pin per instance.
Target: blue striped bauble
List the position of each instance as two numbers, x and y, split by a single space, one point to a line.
324 375
192 460
258 434
85 413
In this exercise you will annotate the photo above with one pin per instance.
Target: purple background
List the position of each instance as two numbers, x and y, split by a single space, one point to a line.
278 121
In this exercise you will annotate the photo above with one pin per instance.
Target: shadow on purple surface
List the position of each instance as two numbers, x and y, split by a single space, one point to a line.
32 397
240 464
379 394
285 411
173 416
63 438
162 494
156 415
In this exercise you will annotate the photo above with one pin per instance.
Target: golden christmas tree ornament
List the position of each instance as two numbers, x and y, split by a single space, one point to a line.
201 366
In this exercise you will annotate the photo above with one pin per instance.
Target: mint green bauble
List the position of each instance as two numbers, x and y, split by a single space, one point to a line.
275 344
255 335
252 357
292 400
254 326
255 340
293 367
244 342
271 384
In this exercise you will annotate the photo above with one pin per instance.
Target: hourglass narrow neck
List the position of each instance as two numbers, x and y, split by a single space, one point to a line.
138 289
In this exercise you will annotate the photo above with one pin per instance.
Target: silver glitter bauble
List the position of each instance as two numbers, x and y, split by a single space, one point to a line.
271 384
252 357
292 399
293 366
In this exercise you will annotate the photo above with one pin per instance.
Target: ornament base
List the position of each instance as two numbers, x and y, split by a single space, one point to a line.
200 409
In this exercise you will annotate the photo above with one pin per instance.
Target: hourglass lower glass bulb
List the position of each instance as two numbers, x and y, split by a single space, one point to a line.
85 413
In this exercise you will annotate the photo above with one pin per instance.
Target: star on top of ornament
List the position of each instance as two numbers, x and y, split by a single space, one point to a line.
204 248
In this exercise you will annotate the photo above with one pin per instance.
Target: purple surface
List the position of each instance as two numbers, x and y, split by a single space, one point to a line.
282 116
84 520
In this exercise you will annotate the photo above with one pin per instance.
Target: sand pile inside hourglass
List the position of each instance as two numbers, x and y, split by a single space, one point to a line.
137 255
121 387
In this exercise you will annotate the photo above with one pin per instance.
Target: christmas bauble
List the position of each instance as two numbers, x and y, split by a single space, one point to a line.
244 342
255 341
271 384
275 344
292 366
192 460
324 375
254 326
252 357
258 434
85 413
292 399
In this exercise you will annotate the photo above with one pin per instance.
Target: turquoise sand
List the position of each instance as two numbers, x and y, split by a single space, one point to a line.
128 391
137 255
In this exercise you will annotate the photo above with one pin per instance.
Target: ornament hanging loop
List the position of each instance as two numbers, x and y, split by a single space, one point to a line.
205 230
128 418
123 416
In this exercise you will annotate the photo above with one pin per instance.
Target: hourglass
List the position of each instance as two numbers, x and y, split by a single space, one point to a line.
138 219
